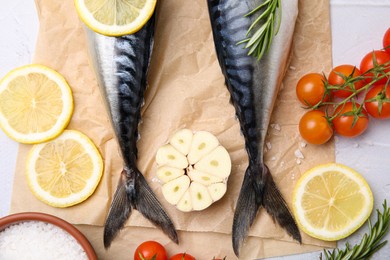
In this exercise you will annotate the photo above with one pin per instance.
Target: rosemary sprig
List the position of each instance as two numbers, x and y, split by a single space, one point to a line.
369 244
260 41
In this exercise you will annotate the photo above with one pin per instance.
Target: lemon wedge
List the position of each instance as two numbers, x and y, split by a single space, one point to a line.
65 171
36 104
331 201
115 17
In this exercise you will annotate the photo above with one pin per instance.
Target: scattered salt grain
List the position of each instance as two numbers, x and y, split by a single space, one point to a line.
155 179
273 158
298 154
292 68
38 240
268 145
275 126
302 144
298 161
292 176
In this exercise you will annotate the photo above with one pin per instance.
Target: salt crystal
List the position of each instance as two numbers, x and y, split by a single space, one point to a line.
275 126
303 144
292 176
268 145
282 163
292 68
273 158
299 154
155 179
298 161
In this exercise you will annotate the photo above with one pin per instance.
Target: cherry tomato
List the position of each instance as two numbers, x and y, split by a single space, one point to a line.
347 114
381 57
150 250
386 41
343 74
377 102
182 256
315 128
310 89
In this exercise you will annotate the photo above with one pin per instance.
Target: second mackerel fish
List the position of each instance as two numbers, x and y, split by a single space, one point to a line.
121 66
253 86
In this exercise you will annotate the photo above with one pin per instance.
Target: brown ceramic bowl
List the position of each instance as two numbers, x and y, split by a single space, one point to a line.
69 228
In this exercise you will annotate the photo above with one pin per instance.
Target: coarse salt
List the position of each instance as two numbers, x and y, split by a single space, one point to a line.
276 127
38 240
298 154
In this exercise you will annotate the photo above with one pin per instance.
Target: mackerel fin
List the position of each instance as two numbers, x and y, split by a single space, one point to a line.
119 212
147 203
258 189
276 206
248 204
133 192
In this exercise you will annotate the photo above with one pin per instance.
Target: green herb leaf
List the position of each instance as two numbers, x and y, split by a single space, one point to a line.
260 40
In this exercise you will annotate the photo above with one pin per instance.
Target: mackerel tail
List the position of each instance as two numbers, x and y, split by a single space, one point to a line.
253 85
121 66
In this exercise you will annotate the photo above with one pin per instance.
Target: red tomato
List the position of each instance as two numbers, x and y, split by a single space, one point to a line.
342 76
386 41
182 256
315 128
343 123
377 102
381 57
150 250
310 89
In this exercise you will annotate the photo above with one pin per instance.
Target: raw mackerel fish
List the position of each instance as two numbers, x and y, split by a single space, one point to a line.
253 86
121 66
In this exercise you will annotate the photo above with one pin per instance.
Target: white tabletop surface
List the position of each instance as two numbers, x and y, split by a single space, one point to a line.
357 28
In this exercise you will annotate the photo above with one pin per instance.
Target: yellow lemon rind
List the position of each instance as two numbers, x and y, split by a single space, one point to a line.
61 123
47 198
331 236
114 30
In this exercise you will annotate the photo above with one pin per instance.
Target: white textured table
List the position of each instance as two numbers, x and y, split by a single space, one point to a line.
357 28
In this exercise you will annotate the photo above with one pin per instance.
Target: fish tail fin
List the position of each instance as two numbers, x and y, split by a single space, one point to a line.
276 206
248 204
120 211
133 192
147 203
258 189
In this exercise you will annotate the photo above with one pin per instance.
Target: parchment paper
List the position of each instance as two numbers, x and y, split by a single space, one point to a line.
186 89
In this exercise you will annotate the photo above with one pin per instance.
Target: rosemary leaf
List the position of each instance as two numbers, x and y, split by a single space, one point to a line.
263 26
370 242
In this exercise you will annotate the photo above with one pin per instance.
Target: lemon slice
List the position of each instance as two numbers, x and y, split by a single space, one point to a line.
115 17
331 201
36 104
64 171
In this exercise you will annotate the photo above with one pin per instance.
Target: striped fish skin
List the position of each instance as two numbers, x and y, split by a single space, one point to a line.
121 66
253 86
